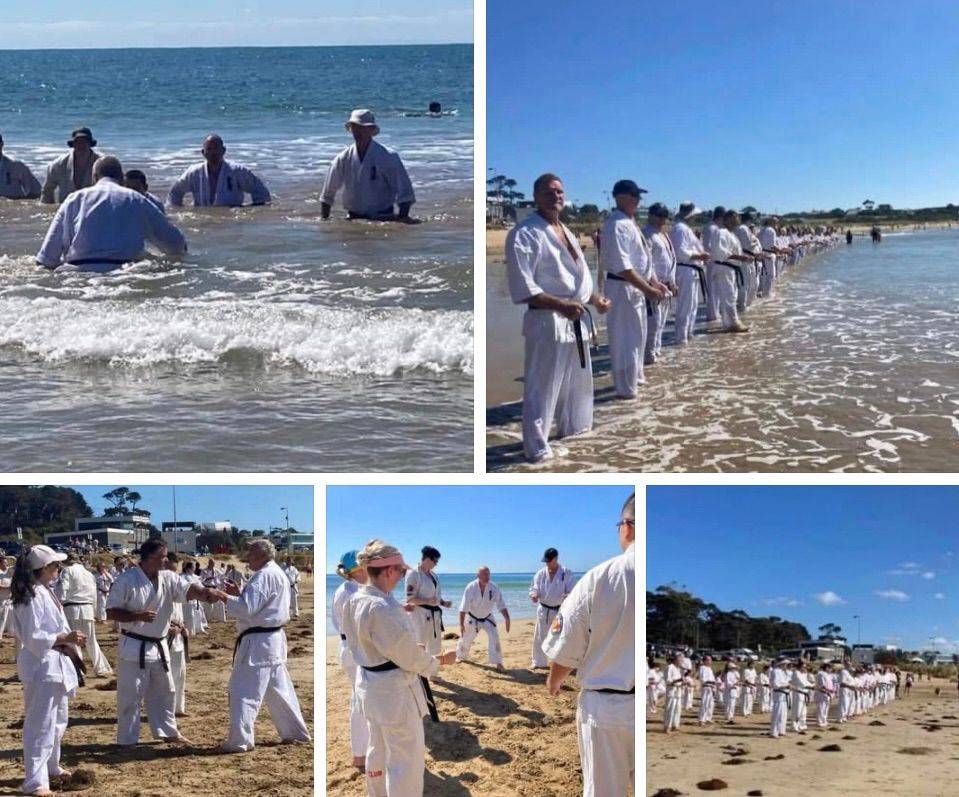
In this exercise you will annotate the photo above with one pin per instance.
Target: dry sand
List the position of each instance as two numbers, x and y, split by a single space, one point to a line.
900 757
500 734
154 769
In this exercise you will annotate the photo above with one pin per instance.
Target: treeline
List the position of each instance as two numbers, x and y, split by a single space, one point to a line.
675 617
39 510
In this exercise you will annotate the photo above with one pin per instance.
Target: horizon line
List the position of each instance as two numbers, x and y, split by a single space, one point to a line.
235 46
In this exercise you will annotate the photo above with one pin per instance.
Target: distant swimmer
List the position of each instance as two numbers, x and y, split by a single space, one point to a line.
105 226
16 179
137 180
876 235
374 181
849 237
218 181
72 171
436 109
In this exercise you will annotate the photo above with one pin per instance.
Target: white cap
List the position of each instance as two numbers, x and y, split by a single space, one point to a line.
363 118
42 555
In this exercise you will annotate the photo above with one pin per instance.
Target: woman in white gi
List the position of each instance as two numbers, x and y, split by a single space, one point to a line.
423 593
390 683
46 670
549 589
480 599
765 693
354 577
177 640
593 634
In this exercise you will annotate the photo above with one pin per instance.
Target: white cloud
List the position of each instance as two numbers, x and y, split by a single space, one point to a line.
828 598
780 601
929 574
910 565
892 594
939 596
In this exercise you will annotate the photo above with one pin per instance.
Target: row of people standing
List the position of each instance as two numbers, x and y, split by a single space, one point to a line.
729 266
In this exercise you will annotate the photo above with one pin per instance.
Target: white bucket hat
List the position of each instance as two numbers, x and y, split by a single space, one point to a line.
42 555
363 118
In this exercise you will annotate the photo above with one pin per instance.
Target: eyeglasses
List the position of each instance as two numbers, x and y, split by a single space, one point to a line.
623 520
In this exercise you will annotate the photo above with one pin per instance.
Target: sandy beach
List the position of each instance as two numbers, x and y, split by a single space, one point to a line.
158 770
912 751
499 733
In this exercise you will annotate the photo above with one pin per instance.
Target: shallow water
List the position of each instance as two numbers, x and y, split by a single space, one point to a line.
852 366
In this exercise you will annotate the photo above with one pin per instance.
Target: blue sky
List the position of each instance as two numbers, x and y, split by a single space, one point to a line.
777 104
245 507
506 528
816 555
186 23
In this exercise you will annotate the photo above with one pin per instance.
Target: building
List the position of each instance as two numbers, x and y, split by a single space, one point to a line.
181 535
291 541
126 531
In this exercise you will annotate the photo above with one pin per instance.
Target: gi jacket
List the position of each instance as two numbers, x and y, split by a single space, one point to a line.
264 603
233 181
371 186
39 622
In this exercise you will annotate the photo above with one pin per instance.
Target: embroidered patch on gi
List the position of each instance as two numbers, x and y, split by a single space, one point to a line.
557 624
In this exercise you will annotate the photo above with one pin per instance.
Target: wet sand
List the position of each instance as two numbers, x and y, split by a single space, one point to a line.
499 733
900 757
160 770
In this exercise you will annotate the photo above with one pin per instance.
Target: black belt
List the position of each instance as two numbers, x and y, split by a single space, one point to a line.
343 637
782 691
737 267
610 275
615 691
85 261
434 609
64 605
487 619
255 630
702 278
553 608
430 700
79 667
186 642
158 641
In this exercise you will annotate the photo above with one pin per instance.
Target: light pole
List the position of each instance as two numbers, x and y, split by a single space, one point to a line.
289 545
858 620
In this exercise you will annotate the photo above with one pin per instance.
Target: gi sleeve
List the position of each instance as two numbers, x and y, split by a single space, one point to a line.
178 587
401 182
569 582
500 601
162 232
249 603
178 189
568 638
464 602
534 587
334 180
718 249
619 248
57 240
252 185
33 636
412 583
29 185
47 195
396 643
117 599
522 252
685 244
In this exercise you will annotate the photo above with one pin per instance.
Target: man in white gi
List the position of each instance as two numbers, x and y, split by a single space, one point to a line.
547 271
293 575
707 691
630 285
593 634
768 241
727 257
194 618
664 267
261 610
749 688
6 609
779 684
103 580
751 246
675 680
72 171
691 260
549 589
136 180
425 599
688 691
799 684
214 578
77 590
847 693
374 181
105 226
142 601
217 181
825 689
16 179
480 599
177 639
730 686
765 693
712 272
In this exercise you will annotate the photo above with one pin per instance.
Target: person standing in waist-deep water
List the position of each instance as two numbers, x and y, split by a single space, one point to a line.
72 171
218 181
549 589
47 665
391 683
16 179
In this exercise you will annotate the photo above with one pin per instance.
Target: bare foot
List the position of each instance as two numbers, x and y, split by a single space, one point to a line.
178 740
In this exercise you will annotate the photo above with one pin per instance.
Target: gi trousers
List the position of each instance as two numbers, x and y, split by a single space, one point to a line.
473 628
687 280
294 603
178 674
359 730
799 711
429 629
44 722
655 324
626 328
672 714
100 614
250 687
730 703
6 617
397 753
98 662
749 695
152 686
713 273
607 742
845 704
554 386
777 724
725 289
768 278
544 618
822 710
706 703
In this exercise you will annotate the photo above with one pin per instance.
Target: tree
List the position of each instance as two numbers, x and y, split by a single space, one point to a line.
134 498
118 498
884 208
749 209
497 183
868 204
829 630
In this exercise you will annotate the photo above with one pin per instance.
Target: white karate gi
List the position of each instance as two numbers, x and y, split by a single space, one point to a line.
293 576
713 273
688 695
750 245
825 687
686 245
378 631
371 186
767 239
48 678
707 694
59 183
765 693
194 617
723 245
799 684
359 730
151 684
749 690
554 382
427 620
16 180
6 608
664 266
232 183
77 591
654 679
672 714
550 593
103 582
593 634
215 579
105 226
847 695
479 606
625 249
779 684
259 668
730 693
178 662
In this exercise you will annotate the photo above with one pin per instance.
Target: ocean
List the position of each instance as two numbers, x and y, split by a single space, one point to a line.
515 587
853 366
280 343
